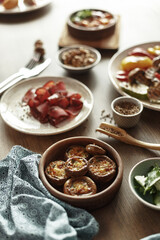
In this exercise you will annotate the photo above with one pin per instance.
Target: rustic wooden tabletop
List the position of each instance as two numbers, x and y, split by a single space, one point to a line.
125 218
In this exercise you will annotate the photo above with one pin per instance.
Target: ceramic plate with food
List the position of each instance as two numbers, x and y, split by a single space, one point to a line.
46 105
135 71
21 6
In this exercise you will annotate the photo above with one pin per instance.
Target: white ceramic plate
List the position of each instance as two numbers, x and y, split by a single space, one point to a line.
17 116
114 66
22 7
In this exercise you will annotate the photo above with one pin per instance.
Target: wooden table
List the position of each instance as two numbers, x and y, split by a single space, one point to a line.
124 218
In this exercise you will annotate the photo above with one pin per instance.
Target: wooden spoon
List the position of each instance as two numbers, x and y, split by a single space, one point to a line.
123 136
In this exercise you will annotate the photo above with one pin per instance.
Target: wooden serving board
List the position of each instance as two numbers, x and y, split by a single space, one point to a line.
110 42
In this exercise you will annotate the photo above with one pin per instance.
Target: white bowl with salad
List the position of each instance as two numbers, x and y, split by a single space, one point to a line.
144 182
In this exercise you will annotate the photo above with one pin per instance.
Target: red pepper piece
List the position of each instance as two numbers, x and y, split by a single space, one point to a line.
140 52
157 75
122 76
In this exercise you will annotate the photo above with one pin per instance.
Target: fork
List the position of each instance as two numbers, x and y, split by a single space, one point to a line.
31 73
31 64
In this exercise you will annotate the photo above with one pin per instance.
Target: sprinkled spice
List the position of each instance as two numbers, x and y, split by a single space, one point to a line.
126 108
106 116
112 130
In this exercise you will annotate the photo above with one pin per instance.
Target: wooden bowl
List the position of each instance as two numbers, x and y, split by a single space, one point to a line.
105 192
91 33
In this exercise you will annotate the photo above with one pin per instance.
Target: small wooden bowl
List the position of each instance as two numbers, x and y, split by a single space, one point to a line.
92 33
105 193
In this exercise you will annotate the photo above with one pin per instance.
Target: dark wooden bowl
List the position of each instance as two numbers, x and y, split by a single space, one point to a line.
104 194
93 33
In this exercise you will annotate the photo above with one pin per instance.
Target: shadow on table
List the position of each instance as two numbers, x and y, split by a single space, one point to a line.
25 16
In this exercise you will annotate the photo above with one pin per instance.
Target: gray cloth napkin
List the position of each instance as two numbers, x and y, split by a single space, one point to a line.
29 212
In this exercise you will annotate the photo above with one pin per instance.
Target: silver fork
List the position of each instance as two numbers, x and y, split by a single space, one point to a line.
31 64
31 73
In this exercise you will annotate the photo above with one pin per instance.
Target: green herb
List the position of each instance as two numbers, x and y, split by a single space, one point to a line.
150 184
81 15
152 178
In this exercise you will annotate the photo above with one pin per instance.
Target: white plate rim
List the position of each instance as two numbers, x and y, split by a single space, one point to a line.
17 10
50 130
119 56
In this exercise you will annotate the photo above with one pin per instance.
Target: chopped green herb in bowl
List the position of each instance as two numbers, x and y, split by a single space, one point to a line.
144 181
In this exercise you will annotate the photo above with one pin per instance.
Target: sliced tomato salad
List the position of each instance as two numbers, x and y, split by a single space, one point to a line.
53 103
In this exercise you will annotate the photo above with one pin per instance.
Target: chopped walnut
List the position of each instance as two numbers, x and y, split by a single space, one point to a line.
78 57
